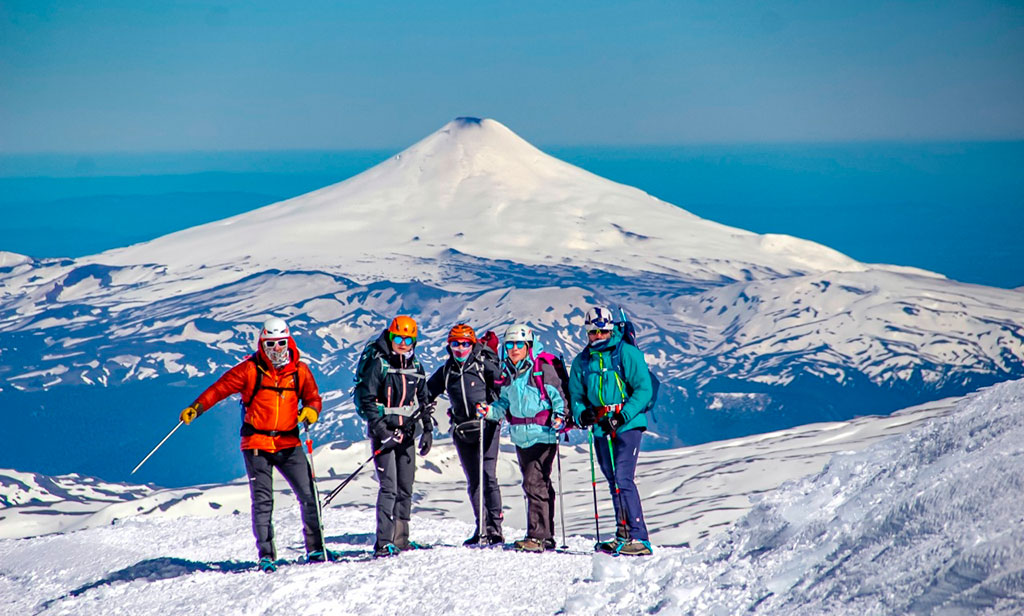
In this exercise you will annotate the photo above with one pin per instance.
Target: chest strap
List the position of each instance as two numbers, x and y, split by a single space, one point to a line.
405 411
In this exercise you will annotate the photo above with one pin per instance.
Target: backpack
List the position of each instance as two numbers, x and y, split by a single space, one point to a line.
628 331
371 353
562 376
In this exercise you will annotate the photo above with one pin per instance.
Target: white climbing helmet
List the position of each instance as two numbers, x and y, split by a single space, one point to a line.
274 329
519 332
274 341
599 318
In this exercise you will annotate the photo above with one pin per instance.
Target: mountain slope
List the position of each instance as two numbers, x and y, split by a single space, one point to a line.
749 333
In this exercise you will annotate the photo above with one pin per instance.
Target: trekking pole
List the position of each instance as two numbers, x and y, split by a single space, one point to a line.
561 501
480 503
593 484
157 447
335 491
316 490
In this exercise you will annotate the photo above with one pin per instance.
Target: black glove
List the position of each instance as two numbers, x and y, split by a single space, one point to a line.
611 422
380 432
426 440
587 418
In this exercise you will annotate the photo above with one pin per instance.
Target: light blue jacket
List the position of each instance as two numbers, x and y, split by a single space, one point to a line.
521 398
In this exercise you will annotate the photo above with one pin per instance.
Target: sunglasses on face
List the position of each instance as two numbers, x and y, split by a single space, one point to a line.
407 340
460 343
519 344
273 343
597 332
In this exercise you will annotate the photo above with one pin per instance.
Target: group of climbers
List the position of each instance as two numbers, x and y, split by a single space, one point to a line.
607 392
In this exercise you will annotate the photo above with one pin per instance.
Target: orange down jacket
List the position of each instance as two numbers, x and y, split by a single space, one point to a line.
275 407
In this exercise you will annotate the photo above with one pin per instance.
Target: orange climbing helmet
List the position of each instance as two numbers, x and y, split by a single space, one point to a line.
403 325
462 332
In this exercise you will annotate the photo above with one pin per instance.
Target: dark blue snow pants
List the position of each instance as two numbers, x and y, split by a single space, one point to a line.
627 449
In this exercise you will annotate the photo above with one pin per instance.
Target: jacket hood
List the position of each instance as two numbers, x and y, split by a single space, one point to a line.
536 348
610 343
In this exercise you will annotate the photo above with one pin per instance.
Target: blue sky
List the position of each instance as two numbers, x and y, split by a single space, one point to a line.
182 76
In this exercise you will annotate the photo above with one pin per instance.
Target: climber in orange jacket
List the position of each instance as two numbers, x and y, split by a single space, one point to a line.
272 383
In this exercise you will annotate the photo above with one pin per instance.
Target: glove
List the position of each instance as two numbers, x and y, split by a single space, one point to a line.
482 409
189 415
611 422
309 415
379 430
557 422
426 440
587 418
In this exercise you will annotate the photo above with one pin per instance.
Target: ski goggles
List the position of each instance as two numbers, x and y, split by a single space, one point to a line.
460 343
275 343
518 344
406 340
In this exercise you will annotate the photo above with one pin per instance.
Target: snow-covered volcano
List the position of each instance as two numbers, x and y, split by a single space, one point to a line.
476 188
749 332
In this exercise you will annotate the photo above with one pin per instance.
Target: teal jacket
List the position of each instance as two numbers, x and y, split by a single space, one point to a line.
604 386
521 398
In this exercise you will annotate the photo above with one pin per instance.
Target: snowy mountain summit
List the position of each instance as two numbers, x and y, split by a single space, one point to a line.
476 188
749 333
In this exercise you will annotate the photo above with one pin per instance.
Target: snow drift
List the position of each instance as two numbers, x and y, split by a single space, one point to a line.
927 523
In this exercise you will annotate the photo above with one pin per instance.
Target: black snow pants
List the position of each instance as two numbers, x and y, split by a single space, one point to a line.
535 463
294 467
396 471
469 455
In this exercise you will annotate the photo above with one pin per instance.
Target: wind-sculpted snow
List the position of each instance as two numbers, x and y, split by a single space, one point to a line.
749 333
923 523
926 523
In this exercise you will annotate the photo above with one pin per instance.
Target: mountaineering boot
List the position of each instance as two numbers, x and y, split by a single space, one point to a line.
493 540
636 548
402 537
388 549
267 565
549 544
320 556
529 545
474 540
611 546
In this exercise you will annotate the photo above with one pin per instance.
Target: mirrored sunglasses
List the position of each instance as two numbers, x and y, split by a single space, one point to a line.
408 340
518 344
273 343
597 332
460 343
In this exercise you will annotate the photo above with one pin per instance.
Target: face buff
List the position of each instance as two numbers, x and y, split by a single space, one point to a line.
461 349
277 352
